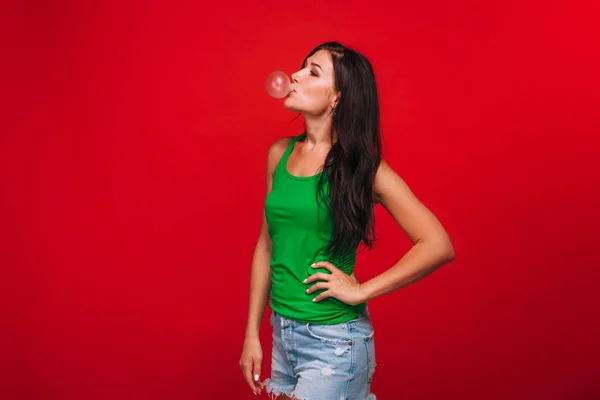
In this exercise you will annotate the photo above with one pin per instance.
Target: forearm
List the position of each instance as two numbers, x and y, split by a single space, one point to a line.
421 260
259 290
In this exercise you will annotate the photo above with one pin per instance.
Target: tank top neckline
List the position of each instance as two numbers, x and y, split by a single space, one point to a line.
288 151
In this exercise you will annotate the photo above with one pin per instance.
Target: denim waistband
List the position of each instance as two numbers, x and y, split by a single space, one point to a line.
363 318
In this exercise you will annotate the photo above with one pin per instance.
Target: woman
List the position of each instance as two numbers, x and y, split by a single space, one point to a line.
322 186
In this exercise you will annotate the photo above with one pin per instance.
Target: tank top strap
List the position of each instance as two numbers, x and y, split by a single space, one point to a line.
286 154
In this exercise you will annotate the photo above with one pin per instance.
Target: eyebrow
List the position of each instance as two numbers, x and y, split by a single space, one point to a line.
313 63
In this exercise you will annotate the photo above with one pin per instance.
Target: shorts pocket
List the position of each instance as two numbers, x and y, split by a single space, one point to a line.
335 335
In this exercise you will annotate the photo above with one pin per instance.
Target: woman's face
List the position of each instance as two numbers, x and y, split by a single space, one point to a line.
313 86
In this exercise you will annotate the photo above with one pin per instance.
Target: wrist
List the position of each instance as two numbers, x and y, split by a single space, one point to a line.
364 293
251 335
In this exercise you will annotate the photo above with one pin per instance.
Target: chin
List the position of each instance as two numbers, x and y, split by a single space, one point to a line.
291 108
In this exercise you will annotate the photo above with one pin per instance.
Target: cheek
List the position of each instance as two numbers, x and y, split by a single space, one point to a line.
319 93
327 91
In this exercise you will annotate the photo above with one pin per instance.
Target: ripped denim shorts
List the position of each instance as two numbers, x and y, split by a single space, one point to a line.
322 362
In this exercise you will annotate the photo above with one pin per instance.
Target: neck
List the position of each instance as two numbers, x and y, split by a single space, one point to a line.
318 132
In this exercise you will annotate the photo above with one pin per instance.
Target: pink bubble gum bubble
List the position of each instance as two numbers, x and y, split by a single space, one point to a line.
278 84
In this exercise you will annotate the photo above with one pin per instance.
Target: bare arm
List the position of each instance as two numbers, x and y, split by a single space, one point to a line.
260 282
260 274
432 247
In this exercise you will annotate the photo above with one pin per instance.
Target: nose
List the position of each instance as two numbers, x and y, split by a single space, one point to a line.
295 77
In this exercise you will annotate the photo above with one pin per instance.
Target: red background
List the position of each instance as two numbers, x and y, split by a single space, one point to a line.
133 150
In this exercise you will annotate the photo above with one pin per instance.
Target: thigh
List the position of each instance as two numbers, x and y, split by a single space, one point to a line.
337 361
282 373
363 359
283 379
324 361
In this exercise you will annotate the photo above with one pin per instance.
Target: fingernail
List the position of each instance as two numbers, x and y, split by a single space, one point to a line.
313 264
314 299
255 377
306 291
305 280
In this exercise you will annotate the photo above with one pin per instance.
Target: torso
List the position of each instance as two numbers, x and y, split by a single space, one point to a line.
300 228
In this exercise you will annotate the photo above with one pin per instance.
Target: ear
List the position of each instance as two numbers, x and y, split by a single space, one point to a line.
335 99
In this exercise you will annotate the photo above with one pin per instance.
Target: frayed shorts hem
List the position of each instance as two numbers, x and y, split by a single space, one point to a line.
274 390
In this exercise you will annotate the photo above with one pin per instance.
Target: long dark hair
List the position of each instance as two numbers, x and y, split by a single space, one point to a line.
353 160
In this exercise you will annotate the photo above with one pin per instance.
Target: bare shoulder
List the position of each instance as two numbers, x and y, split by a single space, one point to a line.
276 150
416 220
388 183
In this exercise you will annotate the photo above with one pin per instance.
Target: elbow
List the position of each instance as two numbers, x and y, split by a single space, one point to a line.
449 252
445 251
440 249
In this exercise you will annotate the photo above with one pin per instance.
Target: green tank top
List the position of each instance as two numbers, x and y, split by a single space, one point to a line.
300 230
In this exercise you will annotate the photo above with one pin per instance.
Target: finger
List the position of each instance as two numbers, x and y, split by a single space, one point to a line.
324 264
321 296
318 276
256 375
247 370
248 376
317 286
